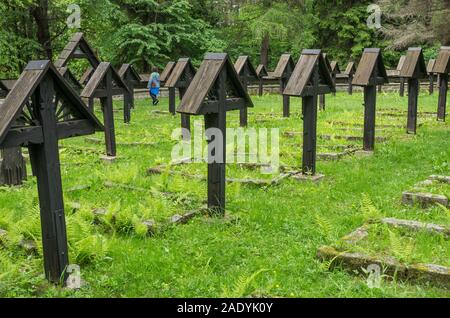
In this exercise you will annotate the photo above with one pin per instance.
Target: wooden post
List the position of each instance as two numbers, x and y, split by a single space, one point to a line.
45 157
172 93
286 100
413 94
286 106
216 170
108 115
261 86
370 99
380 88
443 88
185 118
322 102
243 116
127 101
310 128
13 169
431 89
350 84
402 87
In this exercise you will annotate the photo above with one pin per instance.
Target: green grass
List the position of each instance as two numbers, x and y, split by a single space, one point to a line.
270 251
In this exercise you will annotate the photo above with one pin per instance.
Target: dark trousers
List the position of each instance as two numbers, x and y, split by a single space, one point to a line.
154 98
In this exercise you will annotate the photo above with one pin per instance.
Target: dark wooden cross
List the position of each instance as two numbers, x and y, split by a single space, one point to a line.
33 117
311 77
442 68
370 74
413 70
13 168
322 99
401 62
181 77
283 73
131 78
104 84
261 71
431 75
247 73
350 72
215 90
166 73
335 70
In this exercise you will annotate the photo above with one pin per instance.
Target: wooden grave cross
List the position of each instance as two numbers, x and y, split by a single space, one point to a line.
350 72
335 70
215 90
261 71
166 73
13 168
370 74
311 77
104 84
442 68
77 48
33 117
181 77
413 70
247 73
400 64
322 99
131 78
283 73
431 75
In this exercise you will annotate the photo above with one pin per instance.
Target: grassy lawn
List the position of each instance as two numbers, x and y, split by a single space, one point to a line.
270 250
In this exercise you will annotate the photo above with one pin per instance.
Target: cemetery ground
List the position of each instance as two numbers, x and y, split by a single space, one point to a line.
267 245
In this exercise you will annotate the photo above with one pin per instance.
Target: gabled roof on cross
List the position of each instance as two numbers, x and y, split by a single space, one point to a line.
182 69
442 65
201 91
97 79
261 71
301 78
351 68
128 70
167 71
414 64
78 48
242 65
430 66
335 67
371 70
284 64
25 87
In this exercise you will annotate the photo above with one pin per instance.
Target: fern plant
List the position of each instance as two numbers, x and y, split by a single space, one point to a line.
242 285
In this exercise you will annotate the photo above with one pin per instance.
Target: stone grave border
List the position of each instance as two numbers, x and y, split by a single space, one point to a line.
426 200
355 262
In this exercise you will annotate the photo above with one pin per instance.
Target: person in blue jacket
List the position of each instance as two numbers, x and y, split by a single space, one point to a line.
154 85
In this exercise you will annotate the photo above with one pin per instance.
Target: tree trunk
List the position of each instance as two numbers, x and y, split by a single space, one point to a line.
265 50
40 15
